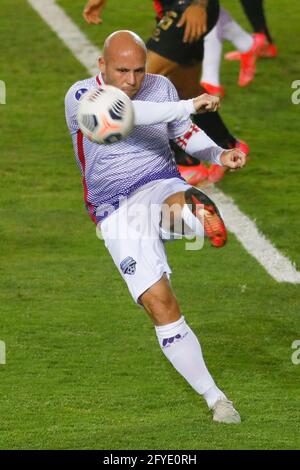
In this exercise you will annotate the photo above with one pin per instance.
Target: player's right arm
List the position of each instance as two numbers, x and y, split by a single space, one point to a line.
92 11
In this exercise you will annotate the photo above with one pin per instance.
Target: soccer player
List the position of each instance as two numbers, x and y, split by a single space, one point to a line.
128 184
176 51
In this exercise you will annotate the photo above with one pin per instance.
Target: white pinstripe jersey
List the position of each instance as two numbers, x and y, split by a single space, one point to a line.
112 172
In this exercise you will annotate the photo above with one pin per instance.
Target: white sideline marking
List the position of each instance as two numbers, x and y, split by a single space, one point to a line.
84 51
278 266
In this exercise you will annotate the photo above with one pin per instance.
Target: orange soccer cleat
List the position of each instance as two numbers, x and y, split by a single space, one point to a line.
206 210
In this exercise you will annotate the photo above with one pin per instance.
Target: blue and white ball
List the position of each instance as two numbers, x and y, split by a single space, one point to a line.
105 115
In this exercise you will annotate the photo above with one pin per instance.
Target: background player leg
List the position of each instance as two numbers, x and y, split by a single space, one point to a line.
254 10
248 46
255 13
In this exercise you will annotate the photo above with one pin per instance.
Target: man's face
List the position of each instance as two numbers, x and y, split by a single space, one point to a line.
124 70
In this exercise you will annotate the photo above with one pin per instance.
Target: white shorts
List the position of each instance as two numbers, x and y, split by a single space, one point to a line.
132 235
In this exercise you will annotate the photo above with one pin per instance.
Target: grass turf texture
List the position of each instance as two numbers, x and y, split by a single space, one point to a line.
84 370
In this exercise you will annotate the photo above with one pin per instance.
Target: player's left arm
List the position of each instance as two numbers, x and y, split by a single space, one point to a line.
194 20
92 11
196 143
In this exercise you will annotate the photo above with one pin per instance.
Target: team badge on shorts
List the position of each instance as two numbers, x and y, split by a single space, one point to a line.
128 265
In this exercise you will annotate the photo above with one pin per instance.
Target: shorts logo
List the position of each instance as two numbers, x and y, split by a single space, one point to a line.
128 265
79 93
168 341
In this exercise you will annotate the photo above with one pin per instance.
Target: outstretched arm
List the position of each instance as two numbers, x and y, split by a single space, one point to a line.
197 144
147 112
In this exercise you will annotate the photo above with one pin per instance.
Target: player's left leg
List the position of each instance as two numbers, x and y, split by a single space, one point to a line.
181 347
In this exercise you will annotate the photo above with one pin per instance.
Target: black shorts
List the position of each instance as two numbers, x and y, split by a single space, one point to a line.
167 39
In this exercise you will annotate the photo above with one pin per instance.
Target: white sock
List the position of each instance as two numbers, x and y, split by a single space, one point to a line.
211 64
233 32
181 346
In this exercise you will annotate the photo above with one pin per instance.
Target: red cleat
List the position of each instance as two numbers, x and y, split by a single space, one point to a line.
248 60
215 90
193 174
268 51
259 39
247 70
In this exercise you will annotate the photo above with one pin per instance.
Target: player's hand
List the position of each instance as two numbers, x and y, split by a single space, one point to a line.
233 159
206 103
194 18
93 10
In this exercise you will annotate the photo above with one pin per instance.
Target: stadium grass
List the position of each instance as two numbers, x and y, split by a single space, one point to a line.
84 370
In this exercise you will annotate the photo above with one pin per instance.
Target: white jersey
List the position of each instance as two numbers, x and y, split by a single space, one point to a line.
112 172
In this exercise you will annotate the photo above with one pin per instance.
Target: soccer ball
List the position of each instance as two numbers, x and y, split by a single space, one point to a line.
105 115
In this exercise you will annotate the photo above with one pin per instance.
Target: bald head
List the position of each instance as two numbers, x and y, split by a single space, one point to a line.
122 42
123 62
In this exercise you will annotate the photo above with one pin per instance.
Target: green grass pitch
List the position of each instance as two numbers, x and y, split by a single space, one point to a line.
84 370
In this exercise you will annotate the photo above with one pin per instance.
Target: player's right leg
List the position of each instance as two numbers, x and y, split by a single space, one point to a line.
198 212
